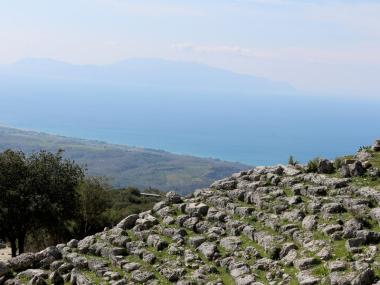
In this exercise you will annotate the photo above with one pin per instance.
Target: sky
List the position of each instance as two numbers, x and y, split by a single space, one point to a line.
326 47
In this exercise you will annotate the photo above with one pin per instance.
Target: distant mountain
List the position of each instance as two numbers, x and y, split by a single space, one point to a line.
162 75
185 108
125 166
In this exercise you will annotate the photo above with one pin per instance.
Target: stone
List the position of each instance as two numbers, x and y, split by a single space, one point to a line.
128 223
37 280
173 198
4 268
376 146
325 166
305 279
73 243
245 280
22 262
364 278
141 276
208 249
309 223
231 243
157 242
78 278
305 263
375 214
30 273
337 265
132 266
198 209
196 241
79 262
353 244
356 169
56 278
289 258
332 208
84 244
286 248
330 229
345 172
224 184
172 274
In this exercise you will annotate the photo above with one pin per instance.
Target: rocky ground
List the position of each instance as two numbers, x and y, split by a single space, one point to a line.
293 224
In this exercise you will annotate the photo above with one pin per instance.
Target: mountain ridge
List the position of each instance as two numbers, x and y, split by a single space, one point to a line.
146 71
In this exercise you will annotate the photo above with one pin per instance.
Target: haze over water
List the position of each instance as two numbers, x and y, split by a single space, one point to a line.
235 124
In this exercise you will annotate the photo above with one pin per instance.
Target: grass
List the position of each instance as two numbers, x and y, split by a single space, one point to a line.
92 277
340 251
366 182
148 267
247 242
292 272
320 271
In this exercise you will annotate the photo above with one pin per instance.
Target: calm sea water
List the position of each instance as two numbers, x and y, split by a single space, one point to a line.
256 130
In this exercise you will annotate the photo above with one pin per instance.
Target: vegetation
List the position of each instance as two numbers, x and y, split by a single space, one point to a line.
338 162
47 199
37 191
365 148
126 166
292 160
312 165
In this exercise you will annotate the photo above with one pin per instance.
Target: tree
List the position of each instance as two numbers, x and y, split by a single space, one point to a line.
93 201
39 192
15 206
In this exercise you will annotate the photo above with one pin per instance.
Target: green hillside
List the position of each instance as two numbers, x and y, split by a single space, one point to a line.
126 166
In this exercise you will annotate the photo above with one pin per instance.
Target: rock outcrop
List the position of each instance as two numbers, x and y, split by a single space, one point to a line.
268 225
376 145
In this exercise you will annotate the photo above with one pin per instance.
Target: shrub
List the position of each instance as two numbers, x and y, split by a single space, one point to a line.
364 148
312 165
292 161
338 162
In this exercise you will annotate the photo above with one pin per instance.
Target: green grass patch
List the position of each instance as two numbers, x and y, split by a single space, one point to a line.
320 271
340 251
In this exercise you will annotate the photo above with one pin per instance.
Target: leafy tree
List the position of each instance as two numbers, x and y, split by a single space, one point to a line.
16 208
39 192
93 201
46 199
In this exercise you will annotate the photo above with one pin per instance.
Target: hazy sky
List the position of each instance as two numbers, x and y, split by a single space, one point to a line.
326 46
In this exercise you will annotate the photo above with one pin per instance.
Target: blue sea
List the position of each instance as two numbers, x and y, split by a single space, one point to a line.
256 130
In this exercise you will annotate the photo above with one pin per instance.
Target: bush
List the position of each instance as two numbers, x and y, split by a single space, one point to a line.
338 162
364 148
312 165
292 161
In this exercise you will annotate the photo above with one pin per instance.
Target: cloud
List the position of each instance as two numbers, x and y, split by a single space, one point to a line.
363 55
223 49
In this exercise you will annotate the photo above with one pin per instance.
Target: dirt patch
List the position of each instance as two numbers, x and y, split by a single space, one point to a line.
5 254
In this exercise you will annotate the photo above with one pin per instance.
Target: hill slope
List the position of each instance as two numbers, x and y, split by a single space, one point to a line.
270 225
126 166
